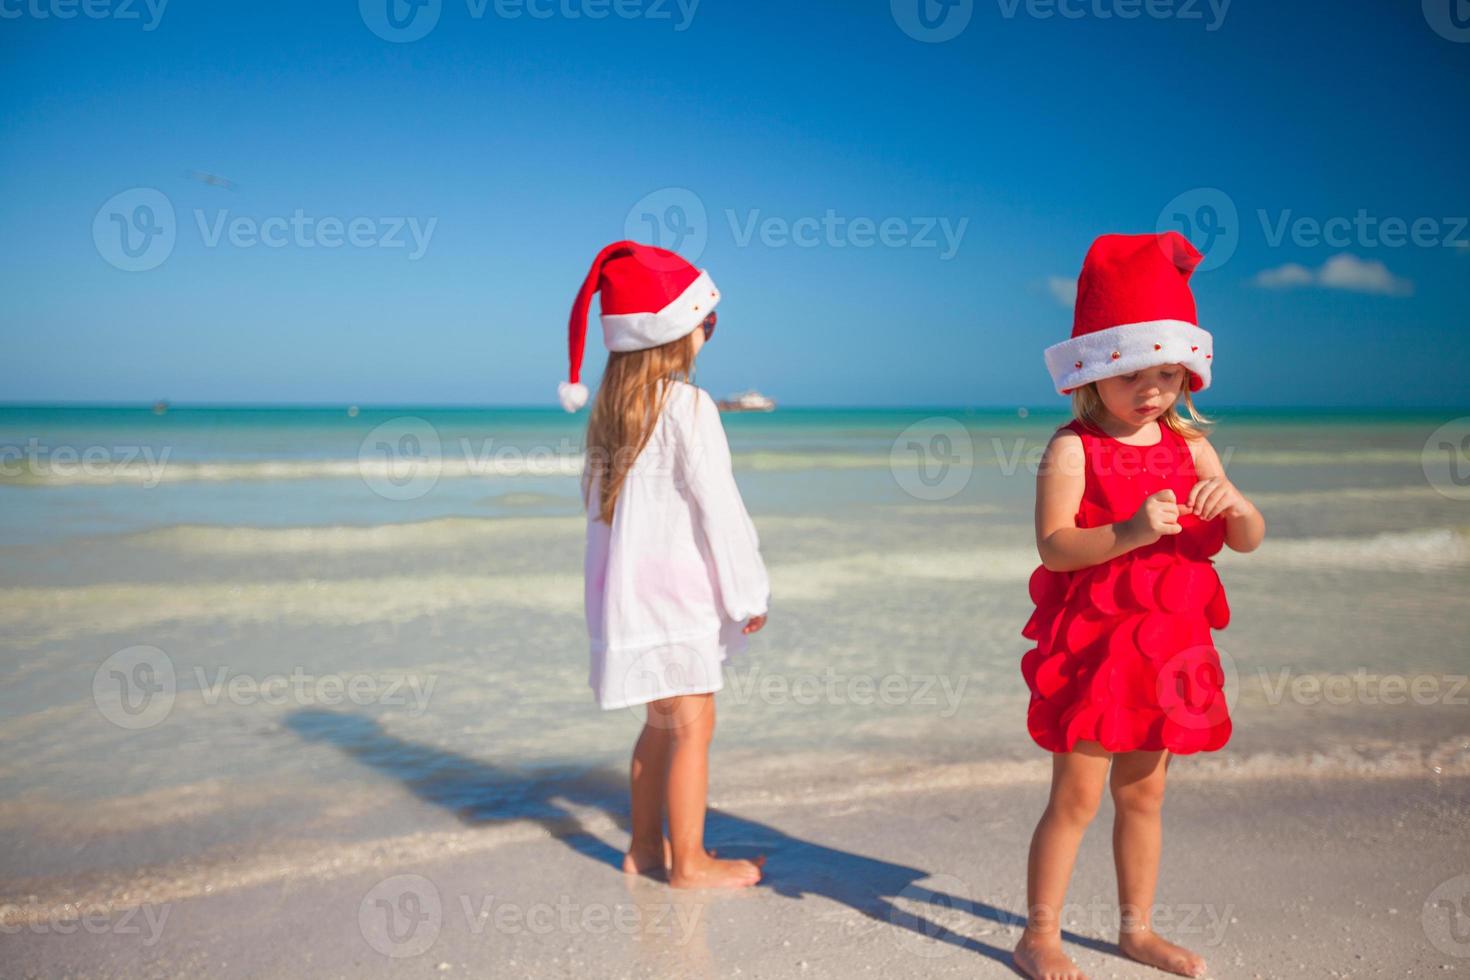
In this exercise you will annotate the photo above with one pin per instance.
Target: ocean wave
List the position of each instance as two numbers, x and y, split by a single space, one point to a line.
153 472
33 900
34 614
1410 551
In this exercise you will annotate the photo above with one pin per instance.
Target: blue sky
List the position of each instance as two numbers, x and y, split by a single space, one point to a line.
772 140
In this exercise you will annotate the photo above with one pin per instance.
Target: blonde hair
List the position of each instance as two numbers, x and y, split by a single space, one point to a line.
629 400
1088 406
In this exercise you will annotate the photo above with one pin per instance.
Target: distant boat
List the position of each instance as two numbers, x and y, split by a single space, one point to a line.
747 401
160 407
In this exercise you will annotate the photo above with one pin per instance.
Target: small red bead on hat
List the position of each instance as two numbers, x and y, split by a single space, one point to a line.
1079 364
1158 346
1116 355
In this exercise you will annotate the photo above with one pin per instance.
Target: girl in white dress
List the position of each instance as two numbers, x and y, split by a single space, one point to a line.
674 577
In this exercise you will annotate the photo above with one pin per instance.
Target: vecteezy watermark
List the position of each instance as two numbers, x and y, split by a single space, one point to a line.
1207 216
932 21
313 690
1365 689
933 459
936 21
1210 218
402 917
1446 917
137 688
1210 13
405 21
300 230
836 231
149 13
90 464
67 919
675 218
1446 459
404 458
1362 230
936 915
401 459
672 218
832 688
1450 19
137 230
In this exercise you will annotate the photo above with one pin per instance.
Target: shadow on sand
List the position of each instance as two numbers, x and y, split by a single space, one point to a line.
481 792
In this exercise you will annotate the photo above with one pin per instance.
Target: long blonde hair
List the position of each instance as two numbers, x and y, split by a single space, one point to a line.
1088 406
629 401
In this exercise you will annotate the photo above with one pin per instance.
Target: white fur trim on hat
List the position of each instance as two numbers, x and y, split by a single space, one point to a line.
641 331
1128 348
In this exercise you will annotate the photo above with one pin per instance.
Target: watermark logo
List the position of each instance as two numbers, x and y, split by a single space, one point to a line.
135 688
1208 217
933 21
1186 687
401 916
1446 917
400 21
676 219
401 459
146 922
1211 13
148 12
136 230
1446 459
664 672
1450 19
940 691
942 911
933 459
405 21
671 218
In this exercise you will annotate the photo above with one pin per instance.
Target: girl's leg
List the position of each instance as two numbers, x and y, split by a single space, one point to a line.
1138 840
1077 781
691 725
648 776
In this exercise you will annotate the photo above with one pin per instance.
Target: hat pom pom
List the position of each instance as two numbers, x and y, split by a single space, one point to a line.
573 395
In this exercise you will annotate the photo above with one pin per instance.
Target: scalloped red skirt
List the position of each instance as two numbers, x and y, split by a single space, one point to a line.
1124 656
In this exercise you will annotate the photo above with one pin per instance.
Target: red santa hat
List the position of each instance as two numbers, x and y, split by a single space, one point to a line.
1134 311
650 296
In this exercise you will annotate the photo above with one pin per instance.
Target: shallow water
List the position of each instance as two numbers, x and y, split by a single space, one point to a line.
285 635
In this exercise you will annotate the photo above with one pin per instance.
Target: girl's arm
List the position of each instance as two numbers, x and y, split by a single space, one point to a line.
1214 496
1064 546
733 543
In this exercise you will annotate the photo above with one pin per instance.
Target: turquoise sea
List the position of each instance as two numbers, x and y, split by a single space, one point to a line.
235 639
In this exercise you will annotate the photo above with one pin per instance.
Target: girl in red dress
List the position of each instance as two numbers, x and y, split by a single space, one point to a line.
1132 502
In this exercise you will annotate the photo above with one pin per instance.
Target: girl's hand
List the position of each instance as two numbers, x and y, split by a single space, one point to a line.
1214 496
754 624
1157 516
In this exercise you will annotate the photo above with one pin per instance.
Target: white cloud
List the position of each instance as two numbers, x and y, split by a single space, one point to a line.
1285 277
1340 272
1063 290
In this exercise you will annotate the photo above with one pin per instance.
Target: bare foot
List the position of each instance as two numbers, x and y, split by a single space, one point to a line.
645 862
669 855
1041 958
714 873
1149 947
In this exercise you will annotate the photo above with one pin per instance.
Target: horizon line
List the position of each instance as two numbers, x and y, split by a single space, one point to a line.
553 407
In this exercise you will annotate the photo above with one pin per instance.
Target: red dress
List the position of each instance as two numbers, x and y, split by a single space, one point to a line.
1123 651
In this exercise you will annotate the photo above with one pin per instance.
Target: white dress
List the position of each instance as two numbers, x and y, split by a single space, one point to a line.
671 582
